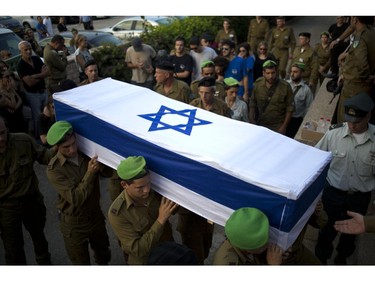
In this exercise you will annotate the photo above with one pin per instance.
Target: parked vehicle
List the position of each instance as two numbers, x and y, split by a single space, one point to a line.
27 21
12 24
94 39
134 26
9 41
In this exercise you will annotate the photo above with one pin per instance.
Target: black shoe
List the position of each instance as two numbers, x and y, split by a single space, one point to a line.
339 260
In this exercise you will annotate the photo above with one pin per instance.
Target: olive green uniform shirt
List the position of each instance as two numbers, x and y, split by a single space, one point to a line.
282 101
324 56
56 64
282 39
227 254
137 227
218 107
359 64
17 176
370 223
219 89
307 56
180 91
258 31
78 189
222 35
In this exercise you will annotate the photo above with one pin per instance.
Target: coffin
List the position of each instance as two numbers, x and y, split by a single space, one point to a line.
207 163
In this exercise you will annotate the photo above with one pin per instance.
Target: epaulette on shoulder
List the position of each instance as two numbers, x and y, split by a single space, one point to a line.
335 126
116 206
51 163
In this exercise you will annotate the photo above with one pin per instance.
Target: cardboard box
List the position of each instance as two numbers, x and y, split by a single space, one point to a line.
311 136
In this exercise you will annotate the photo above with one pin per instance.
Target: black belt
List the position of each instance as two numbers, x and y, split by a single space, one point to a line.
346 192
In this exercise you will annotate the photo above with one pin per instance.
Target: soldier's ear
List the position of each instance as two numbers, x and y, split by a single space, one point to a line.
124 184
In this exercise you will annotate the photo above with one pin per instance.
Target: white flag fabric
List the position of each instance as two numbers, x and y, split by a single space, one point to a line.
207 163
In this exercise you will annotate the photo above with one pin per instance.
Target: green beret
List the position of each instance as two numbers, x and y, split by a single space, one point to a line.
207 63
247 229
132 167
324 33
269 63
57 131
300 65
230 81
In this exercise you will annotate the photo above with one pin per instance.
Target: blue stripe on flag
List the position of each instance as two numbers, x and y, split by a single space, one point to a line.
209 182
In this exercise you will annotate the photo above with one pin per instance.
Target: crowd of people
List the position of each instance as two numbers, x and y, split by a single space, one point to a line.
270 80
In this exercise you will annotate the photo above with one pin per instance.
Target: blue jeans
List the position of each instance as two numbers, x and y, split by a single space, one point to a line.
36 101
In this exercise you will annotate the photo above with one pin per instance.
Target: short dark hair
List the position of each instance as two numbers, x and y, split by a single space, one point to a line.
57 38
228 42
180 38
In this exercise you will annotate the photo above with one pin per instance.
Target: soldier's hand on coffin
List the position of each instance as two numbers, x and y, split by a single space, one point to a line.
166 209
274 254
93 166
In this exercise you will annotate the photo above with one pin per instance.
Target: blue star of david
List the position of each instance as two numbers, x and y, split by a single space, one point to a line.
186 129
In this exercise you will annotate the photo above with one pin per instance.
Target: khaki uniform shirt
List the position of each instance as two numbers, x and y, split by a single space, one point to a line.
258 31
360 61
219 89
370 223
86 81
282 39
324 56
17 176
222 35
137 227
307 56
282 101
353 165
56 64
180 91
145 56
218 107
78 189
227 254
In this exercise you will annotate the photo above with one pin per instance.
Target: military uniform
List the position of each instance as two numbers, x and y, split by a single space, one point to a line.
369 223
179 91
258 31
307 56
227 254
280 41
282 101
324 59
358 67
222 35
81 218
20 199
218 107
350 178
219 90
57 65
137 227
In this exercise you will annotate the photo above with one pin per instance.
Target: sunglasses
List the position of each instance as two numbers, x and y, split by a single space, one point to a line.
225 49
242 51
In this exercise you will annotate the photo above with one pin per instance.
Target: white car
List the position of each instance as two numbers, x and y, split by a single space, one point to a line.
134 26
27 21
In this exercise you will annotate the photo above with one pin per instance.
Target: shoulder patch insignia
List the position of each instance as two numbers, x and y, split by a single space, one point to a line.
335 126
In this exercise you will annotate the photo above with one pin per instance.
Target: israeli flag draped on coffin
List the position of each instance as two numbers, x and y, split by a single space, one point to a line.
207 163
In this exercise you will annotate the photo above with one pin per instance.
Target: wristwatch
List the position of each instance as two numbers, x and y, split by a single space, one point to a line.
338 40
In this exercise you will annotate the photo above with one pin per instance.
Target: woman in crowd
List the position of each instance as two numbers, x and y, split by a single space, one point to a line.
261 56
81 55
